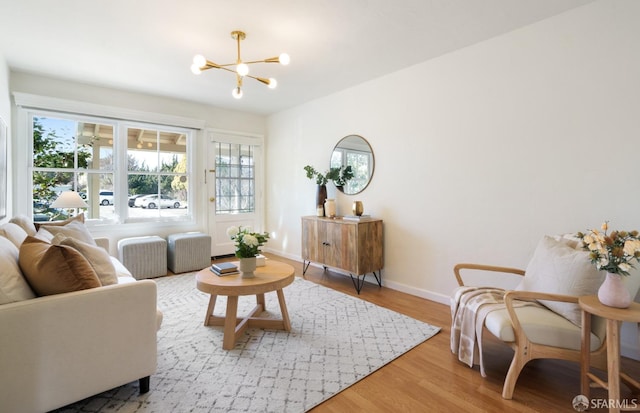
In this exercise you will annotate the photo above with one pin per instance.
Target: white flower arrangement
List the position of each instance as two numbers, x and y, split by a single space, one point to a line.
247 242
613 253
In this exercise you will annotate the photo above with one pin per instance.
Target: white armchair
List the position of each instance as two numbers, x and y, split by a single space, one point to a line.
557 275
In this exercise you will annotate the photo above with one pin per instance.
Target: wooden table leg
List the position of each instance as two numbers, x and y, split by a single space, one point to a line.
212 304
585 364
613 363
260 301
283 310
230 320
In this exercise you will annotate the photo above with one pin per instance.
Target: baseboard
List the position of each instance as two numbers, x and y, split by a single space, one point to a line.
628 344
429 295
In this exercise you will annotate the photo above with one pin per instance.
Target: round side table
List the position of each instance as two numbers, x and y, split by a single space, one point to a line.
590 305
273 276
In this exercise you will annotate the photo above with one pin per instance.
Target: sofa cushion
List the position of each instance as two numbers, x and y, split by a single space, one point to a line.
74 229
25 223
557 267
13 286
55 269
97 257
14 233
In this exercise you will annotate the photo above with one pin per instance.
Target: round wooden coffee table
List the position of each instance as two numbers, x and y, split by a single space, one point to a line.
273 276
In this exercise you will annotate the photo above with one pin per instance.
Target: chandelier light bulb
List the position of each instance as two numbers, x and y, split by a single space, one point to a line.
199 60
242 69
239 67
284 59
195 69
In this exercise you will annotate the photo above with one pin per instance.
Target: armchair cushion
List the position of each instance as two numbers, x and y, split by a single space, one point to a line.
541 326
557 267
55 269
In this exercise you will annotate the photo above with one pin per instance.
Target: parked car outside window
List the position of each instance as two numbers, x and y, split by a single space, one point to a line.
137 203
132 199
165 201
106 198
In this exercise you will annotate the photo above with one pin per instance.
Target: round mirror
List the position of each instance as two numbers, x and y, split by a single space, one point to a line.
354 151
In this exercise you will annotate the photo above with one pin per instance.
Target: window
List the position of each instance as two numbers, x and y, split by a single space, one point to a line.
235 178
157 176
108 162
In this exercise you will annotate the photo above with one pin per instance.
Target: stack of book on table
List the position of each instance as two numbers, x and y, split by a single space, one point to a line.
224 268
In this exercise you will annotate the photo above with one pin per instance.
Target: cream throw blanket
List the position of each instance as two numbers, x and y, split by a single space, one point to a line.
469 307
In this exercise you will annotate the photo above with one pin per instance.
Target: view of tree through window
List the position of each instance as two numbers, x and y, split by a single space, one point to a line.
157 166
74 154
235 178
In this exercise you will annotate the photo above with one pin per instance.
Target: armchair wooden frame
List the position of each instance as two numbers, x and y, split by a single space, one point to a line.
524 349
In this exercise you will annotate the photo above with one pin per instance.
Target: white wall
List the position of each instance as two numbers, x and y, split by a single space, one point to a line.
482 151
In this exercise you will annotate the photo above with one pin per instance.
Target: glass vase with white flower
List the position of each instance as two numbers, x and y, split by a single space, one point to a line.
614 253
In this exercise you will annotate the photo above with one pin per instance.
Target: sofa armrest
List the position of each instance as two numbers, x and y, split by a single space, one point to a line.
62 348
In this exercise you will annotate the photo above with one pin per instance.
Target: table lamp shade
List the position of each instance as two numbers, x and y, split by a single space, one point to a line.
69 199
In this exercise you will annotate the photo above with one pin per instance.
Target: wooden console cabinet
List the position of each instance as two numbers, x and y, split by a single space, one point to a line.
353 246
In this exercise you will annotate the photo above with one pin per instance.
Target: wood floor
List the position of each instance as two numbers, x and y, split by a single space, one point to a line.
430 378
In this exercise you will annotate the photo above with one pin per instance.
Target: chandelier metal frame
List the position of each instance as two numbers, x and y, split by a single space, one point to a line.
200 64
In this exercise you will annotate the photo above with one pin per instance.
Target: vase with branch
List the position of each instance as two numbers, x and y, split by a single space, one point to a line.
338 175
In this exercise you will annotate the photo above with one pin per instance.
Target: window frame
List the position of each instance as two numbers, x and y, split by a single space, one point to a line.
28 105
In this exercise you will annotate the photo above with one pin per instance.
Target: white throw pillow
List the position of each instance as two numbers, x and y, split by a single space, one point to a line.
557 267
14 233
74 229
97 257
13 286
44 235
25 223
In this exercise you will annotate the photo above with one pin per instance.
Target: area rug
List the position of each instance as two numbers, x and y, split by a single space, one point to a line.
335 340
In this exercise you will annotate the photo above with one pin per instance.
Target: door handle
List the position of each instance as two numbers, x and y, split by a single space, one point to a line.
212 199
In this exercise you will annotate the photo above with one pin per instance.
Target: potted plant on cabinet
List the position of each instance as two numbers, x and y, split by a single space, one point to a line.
339 175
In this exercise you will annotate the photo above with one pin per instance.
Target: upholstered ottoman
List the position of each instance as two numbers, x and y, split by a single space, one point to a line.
144 257
188 251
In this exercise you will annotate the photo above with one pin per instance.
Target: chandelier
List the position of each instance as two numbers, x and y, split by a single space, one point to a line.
241 69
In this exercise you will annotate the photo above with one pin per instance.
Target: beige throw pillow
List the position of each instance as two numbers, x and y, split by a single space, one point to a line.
74 229
77 218
557 267
13 232
55 269
25 223
13 286
97 257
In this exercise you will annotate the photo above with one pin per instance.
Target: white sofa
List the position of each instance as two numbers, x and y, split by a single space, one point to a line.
61 348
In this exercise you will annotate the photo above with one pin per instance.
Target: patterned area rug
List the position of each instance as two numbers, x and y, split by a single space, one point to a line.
335 341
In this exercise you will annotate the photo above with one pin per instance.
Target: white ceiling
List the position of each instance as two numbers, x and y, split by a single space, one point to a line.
148 45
